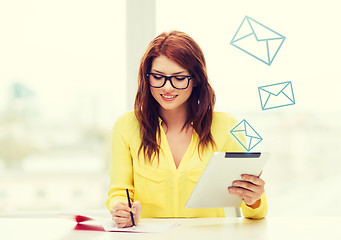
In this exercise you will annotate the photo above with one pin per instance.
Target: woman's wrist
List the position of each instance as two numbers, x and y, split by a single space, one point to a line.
255 204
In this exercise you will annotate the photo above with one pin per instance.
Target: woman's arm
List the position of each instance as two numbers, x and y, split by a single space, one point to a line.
121 176
250 188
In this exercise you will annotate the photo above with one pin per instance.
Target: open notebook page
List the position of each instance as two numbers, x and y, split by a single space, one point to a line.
109 226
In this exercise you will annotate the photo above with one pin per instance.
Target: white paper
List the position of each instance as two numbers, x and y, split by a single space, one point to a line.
109 226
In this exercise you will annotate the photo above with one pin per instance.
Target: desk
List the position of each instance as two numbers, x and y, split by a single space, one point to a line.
200 228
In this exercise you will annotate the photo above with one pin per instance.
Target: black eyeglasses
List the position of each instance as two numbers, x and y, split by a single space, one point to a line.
179 82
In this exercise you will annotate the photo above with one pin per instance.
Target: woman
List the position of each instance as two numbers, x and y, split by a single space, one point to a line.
160 150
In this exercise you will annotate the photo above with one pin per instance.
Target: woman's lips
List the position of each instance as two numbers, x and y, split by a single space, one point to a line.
167 97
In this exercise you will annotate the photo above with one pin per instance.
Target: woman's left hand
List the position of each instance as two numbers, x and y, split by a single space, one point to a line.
250 189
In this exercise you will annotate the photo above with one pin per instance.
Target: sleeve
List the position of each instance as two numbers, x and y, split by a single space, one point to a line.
256 213
121 167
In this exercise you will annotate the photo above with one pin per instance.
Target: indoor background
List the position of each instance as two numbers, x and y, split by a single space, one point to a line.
68 70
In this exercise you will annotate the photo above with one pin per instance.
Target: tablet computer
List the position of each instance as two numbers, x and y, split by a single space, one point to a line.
222 169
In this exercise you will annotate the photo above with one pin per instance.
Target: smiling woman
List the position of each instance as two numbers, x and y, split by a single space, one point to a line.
160 149
167 95
158 80
174 53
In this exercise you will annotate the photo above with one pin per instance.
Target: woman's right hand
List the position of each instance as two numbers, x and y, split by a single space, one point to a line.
121 213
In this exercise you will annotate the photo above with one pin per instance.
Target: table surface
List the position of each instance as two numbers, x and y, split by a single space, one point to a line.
196 228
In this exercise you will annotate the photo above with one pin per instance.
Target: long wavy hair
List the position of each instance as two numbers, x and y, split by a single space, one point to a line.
182 49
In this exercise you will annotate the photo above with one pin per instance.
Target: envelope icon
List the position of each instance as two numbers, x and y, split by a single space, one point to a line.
257 40
252 138
276 95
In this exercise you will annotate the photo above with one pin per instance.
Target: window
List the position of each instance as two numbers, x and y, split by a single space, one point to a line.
62 87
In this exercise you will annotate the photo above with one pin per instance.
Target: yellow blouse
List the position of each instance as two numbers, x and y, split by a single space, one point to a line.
162 188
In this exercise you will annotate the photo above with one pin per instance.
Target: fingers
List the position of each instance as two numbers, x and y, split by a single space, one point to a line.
137 209
251 183
117 206
248 196
137 206
121 213
248 186
120 220
253 179
249 189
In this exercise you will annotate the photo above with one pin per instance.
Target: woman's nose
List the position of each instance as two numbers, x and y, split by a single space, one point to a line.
168 86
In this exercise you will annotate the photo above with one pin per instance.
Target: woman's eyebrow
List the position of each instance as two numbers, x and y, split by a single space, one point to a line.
171 74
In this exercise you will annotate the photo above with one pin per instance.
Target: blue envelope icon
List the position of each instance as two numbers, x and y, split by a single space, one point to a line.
252 138
257 40
276 95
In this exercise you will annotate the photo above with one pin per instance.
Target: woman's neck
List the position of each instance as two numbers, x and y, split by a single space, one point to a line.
174 119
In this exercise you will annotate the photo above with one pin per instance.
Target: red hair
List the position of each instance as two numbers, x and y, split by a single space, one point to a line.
182 49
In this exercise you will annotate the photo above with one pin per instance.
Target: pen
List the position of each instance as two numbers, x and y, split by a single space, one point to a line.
129 203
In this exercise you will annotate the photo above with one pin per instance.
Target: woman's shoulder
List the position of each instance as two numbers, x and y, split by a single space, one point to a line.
126 128
223 118
127 119
130 115
222 124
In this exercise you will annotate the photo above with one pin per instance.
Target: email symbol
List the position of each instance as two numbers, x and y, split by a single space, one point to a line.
252 138
257 40
276 95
